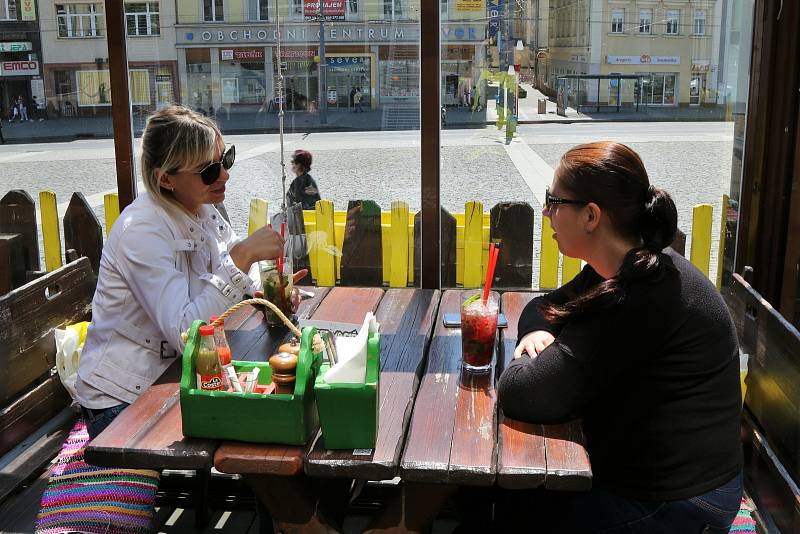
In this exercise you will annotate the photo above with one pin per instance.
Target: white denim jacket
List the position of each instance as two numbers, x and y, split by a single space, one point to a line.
158 273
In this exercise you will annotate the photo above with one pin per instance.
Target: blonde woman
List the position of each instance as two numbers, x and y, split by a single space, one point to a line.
170 259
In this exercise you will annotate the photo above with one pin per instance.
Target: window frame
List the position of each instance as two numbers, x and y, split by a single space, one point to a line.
672 25
148 16
68 16
618 21
648 24
697 19
7 4
393 10
214 14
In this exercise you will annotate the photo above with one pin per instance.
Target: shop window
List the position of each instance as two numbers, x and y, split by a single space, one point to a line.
617 20
699 22
8 9
352 7
139 80
673 22
213 11
393 9
296 10
142 18
79 20
645 20
94 88
259 9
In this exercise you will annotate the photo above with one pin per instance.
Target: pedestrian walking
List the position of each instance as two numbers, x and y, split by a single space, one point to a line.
352 97
303 189
14 112
34 112
23 110
357 101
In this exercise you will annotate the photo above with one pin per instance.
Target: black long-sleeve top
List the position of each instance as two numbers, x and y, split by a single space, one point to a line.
655 379
297 192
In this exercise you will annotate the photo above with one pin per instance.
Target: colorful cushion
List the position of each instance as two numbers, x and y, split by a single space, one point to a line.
84 498
744 522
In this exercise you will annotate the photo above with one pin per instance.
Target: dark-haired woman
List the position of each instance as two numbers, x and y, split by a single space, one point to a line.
641 347
303 189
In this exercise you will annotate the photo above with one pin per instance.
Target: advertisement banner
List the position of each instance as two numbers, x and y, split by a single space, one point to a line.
494 9
28 9
643 59
332 9
19 68
16 47
468 5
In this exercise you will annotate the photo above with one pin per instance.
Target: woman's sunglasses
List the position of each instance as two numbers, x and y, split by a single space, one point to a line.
210 173
550 200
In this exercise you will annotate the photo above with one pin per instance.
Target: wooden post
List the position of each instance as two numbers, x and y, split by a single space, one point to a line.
121 102
430 133
511 227
18 216
82 230
361 251
12 262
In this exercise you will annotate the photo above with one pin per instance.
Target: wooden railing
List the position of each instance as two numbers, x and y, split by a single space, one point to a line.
360 246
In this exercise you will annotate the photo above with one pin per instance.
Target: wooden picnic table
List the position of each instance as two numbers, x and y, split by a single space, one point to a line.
438 427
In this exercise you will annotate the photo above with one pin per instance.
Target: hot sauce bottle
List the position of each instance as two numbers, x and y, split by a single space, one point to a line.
209 370
224 352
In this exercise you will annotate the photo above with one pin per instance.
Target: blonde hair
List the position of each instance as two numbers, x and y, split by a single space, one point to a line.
176 138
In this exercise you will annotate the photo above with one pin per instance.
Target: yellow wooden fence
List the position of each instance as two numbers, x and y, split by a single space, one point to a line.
325 238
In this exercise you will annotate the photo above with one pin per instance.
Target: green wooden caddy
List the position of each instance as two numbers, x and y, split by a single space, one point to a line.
275 418
348 413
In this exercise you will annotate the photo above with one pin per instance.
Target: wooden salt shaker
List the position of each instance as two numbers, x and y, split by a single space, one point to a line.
284 369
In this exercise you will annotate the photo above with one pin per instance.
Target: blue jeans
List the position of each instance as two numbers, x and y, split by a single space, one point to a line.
601 512
98 420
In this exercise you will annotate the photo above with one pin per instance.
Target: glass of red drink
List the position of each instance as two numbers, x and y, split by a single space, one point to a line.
478 330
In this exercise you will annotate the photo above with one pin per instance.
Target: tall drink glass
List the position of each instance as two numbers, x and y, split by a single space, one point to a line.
278 288
478 330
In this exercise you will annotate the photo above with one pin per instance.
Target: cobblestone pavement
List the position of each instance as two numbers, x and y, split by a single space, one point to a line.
691 160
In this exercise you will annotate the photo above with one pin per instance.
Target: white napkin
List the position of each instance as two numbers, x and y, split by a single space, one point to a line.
352 351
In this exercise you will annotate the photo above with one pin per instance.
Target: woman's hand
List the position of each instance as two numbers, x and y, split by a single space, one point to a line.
534 343
264 244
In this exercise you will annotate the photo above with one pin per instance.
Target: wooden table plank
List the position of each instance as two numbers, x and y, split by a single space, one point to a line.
149 434
568 466
452 434
339 304
521 459
406 317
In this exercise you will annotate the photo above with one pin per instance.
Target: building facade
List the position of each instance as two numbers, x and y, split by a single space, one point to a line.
673 45
20 56
76 74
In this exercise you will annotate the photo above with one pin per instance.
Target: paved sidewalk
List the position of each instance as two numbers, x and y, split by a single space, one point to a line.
248 121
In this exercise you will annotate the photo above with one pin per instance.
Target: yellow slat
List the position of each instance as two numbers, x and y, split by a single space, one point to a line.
399 245
258 215
411 250
570 268
323 243
701 237
339 241
723 230
548 262
111 204
51 236
473 243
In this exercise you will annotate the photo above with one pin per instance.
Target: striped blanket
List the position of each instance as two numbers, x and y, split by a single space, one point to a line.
84 498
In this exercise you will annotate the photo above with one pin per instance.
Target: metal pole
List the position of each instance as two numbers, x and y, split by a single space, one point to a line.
323 67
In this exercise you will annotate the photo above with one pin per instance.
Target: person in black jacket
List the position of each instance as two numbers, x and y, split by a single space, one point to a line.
303 189
641 347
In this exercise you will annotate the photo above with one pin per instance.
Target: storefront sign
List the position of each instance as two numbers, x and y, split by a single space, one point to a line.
294 34
643 59
28 9
293 53
333 61
332 9
19 68
253 53
468 5
16 47
699 65
495 9
333 96
226 55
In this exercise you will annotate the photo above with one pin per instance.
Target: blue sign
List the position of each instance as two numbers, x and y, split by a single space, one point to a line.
495 11
189 36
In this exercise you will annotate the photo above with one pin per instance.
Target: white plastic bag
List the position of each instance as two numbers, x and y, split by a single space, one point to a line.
69 343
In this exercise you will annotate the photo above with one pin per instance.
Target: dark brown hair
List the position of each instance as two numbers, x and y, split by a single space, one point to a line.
613 176
302 158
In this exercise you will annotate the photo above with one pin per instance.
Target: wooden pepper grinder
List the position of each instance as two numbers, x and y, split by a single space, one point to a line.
284 369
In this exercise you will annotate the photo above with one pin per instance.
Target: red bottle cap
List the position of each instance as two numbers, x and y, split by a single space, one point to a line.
214 318
207 330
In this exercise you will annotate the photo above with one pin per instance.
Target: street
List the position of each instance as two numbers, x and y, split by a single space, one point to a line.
690 160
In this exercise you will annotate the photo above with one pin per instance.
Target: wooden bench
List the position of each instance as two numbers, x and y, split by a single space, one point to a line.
35 418
770 417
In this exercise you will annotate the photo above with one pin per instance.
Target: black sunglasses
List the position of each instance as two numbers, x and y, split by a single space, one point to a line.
550 200
210 173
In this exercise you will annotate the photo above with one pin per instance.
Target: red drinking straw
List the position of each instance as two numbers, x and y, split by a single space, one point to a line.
280 257
493 252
